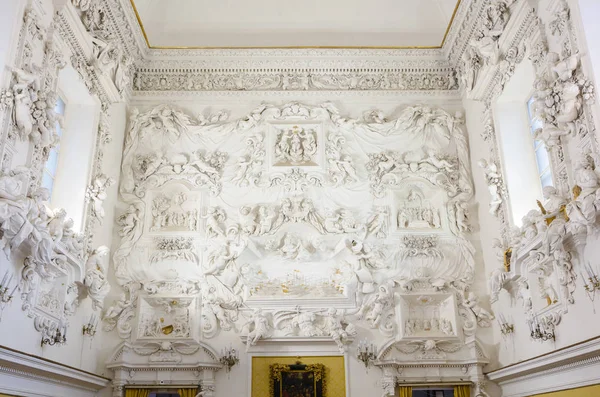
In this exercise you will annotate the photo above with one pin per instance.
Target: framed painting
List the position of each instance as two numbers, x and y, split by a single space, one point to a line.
297 380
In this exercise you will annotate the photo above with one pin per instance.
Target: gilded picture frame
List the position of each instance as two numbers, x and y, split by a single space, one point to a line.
297 380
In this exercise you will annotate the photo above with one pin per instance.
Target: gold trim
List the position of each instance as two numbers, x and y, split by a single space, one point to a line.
318 371
139 19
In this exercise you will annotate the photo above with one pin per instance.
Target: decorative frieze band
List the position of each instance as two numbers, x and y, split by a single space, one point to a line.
295 79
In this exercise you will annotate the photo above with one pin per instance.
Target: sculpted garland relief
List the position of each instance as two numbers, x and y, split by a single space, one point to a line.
240 209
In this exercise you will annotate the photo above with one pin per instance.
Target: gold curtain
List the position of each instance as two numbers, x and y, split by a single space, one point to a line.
137 392
462 391
405 391
187 392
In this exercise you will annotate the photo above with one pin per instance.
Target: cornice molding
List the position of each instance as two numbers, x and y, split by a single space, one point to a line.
578 366
22 365
343 69
567 357
461 31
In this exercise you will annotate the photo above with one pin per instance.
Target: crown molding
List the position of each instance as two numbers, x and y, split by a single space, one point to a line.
318 69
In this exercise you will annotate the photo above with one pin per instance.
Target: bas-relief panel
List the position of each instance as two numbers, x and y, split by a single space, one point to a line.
296 221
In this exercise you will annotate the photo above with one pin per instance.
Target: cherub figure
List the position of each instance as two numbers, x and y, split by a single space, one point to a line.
96 194
494 183
220 257
258 328
484 317
214 217
338 329
128 221
377 224
95 277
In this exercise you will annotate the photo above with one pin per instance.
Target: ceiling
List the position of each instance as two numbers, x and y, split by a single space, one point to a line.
285 23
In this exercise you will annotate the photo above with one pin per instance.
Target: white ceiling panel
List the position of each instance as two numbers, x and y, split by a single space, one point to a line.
285 23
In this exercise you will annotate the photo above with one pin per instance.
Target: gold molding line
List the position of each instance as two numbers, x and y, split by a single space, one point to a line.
150 46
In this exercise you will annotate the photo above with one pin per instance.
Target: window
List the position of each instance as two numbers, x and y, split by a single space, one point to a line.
67 171
51 166
524 160
541 152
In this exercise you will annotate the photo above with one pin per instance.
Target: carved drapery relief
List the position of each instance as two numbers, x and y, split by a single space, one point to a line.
254 246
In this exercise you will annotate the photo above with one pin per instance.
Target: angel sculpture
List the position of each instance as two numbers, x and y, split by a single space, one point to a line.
289 247
366 260
338 329
497 283
341 167
461 215
563 69
95 280
200 163
268 220
128 221
258 328
242 174
582 210
216 304
73 241
214 217
248 220
555 213
377 224
483 317
96 194
494 182
223 255
27 222
25 92
56 224
377 304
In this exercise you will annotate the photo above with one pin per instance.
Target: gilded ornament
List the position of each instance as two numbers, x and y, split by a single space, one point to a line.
507 256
